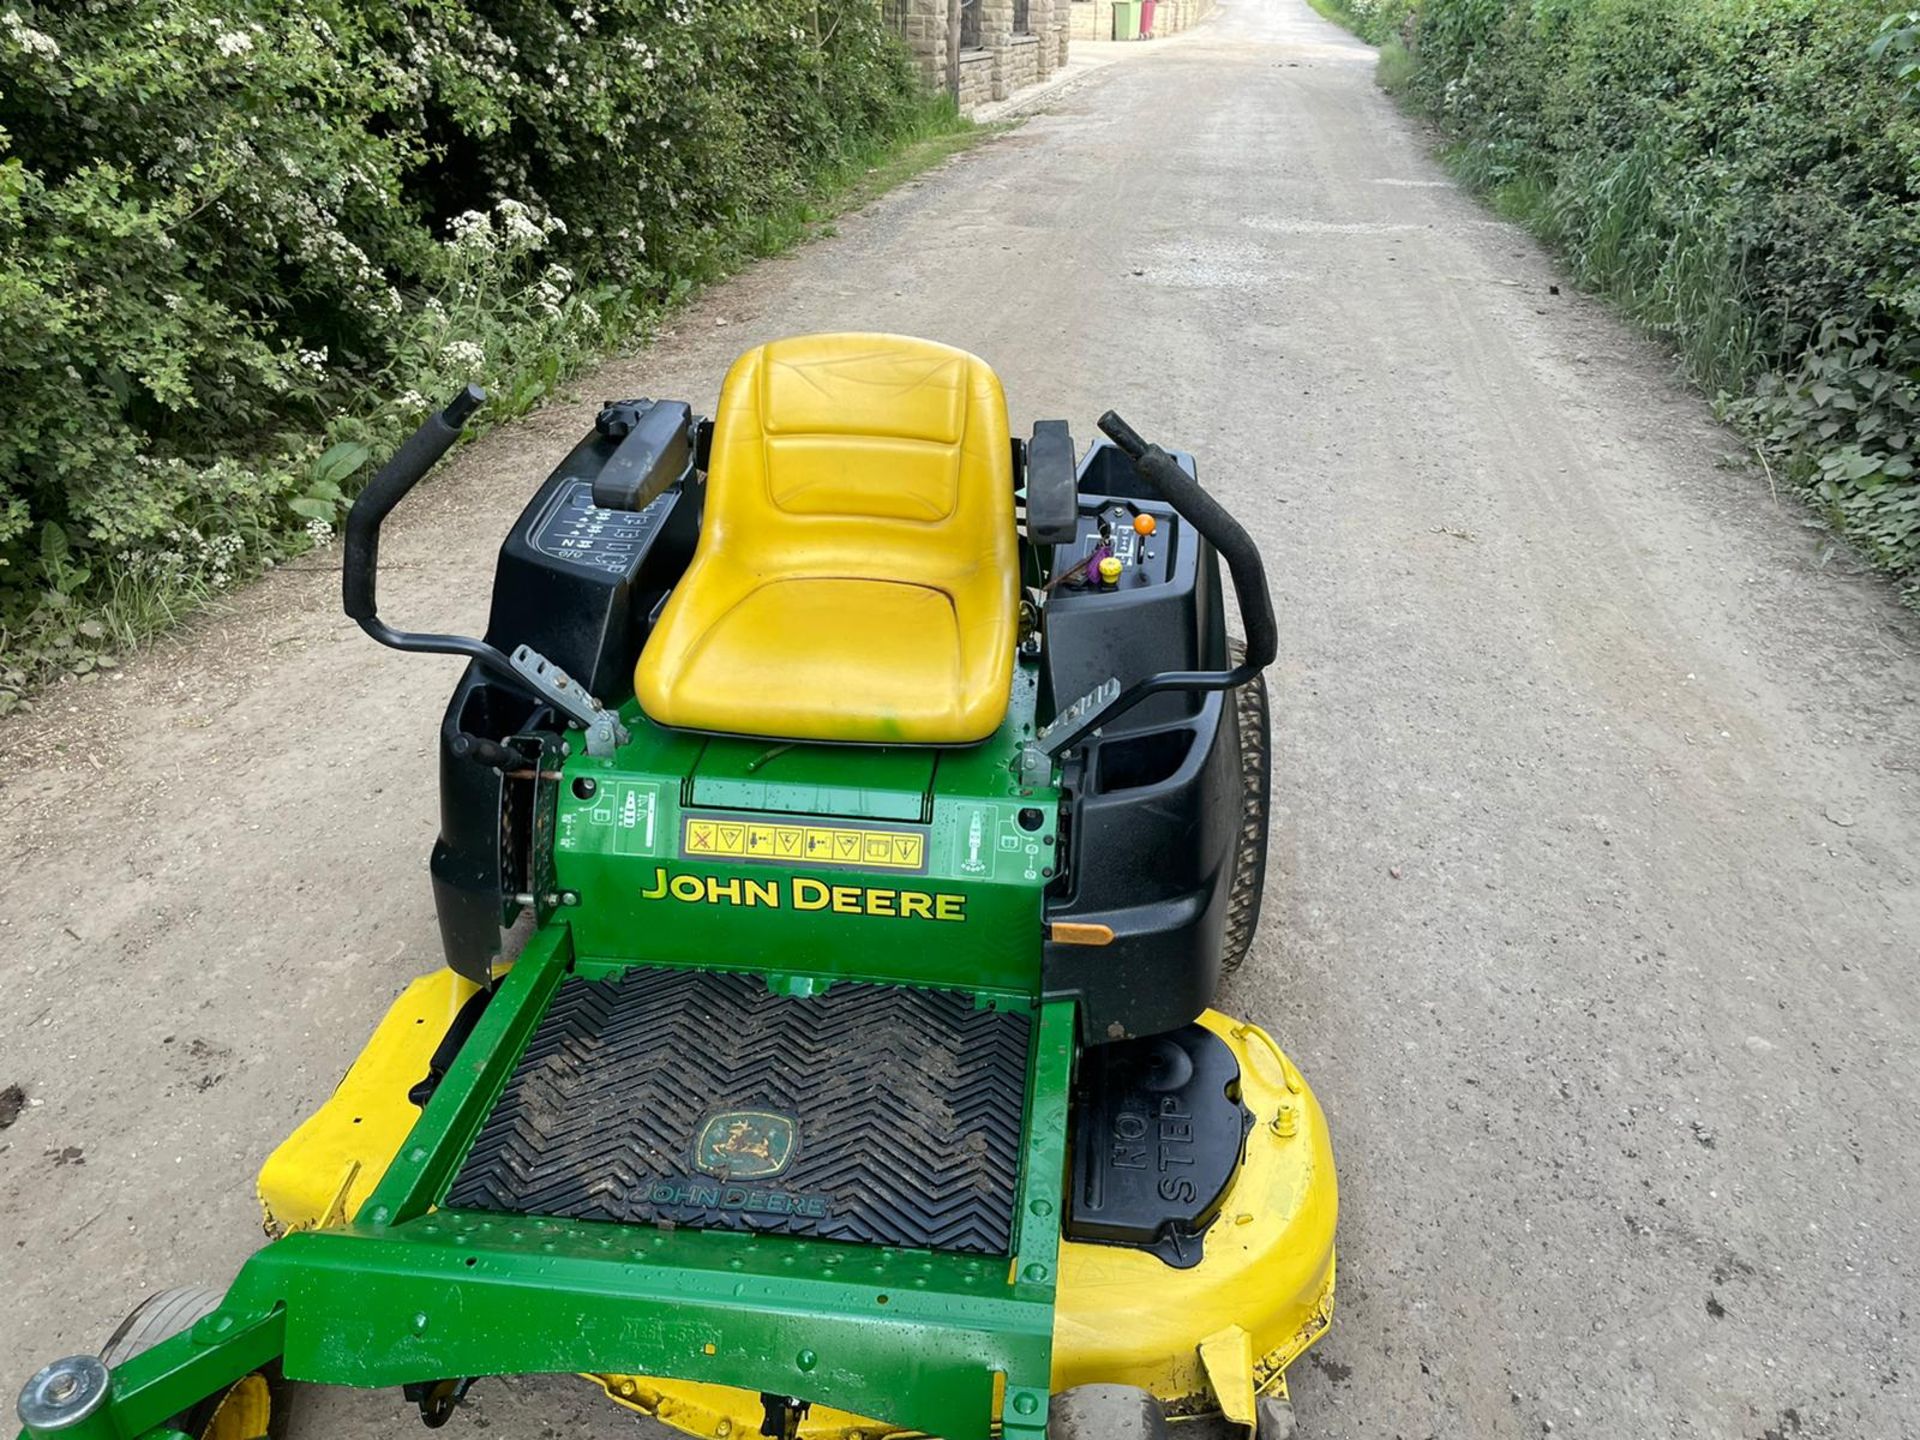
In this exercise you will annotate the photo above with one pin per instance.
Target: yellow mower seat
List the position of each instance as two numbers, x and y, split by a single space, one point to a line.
856 578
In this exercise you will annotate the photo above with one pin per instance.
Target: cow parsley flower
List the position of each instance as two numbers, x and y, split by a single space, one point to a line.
473 231
27 38
518 223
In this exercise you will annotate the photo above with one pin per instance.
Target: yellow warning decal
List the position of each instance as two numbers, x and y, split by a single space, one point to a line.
802 845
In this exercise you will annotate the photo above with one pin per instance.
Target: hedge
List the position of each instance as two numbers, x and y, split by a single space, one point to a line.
244 242
1743 176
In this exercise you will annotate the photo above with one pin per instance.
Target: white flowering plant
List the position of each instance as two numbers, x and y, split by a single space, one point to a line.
246 244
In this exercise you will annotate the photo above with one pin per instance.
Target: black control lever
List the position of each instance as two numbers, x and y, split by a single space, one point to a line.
419 454
361 563
527 670
1226 535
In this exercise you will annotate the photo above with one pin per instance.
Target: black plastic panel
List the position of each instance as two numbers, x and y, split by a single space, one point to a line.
1158 1132
1153 806
1154 862
574 532
872 1113
579 584
1163 615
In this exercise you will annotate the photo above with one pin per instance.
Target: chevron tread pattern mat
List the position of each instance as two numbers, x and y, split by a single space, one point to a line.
872 1113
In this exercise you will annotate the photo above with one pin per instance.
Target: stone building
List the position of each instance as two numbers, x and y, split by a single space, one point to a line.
1005 45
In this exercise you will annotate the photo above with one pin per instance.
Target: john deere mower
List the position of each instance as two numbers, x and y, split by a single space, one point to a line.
845 822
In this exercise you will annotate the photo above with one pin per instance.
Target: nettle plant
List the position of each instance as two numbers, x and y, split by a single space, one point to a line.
1846 420
244 243
1898 44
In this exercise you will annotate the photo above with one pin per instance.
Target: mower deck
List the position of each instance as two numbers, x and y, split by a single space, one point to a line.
873 1114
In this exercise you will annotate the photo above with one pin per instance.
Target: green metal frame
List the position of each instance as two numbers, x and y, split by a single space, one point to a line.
619 844
407 1292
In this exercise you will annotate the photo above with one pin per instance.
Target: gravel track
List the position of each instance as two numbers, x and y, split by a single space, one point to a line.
1592 912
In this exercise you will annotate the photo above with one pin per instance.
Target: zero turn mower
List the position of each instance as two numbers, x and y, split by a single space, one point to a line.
885 799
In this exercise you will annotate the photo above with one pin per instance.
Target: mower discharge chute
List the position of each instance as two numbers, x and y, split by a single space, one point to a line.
884 798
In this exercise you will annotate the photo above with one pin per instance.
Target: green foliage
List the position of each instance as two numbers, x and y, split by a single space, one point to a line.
1376 21
242 244
1395 69
1743 176
1898 44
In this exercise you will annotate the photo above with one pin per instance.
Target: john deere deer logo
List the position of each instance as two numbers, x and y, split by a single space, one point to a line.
744 1144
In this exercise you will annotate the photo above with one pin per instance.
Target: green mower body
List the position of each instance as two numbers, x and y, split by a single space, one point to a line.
832 1088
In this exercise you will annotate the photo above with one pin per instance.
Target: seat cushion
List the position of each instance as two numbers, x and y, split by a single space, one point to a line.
885 652
856 578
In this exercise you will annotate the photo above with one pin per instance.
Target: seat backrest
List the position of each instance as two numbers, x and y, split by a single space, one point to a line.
862 455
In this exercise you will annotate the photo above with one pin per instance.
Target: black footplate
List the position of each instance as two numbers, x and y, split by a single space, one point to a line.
870 1113
1158 1132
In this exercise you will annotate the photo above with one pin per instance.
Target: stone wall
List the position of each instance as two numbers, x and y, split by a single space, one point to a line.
1006 62
1019 66
976 79
1093 19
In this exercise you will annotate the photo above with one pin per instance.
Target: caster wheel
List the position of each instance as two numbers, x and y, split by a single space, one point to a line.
1275 1416
245 1410
1105 1412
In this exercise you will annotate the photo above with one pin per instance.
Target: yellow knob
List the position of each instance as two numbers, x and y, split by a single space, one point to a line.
1110 569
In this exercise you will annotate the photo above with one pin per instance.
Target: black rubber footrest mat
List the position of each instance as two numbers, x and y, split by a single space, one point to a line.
871 1113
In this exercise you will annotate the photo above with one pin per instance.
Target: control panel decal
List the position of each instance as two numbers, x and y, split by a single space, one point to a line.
572 528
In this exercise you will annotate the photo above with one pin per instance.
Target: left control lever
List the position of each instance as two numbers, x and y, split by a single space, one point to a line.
527 670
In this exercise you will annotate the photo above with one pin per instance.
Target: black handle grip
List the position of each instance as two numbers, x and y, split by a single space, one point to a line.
1212 520
490 753
386 490
1122 434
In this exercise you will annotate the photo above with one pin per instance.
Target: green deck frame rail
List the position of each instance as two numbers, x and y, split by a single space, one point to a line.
408 1293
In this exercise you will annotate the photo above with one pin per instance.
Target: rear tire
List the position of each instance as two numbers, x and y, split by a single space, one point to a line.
1250 844
1105 1412
245 1410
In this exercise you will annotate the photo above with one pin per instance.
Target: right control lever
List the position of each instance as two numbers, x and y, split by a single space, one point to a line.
526 668
1226 534
1107 701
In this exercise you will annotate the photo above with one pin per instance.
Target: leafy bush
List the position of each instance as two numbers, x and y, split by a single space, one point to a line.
1379 21
241 244
1741 175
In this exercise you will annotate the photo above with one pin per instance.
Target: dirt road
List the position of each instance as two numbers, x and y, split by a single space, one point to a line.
1594 913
